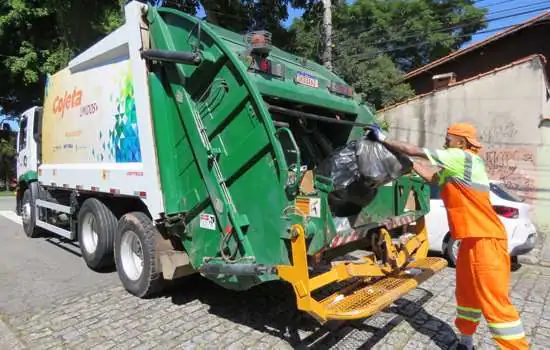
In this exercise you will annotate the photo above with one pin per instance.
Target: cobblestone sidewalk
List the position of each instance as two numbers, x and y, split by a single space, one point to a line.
198 314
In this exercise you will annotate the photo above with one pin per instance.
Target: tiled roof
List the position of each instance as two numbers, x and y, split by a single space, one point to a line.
516 28
509 65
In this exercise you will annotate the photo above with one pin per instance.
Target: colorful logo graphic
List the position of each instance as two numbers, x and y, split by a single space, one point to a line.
98 116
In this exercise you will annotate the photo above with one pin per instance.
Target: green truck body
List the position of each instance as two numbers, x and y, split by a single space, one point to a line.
238 127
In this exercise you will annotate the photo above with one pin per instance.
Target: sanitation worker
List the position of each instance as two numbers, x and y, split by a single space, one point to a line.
483 263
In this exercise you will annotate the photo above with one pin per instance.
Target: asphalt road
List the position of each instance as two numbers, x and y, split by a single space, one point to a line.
32 271
49 299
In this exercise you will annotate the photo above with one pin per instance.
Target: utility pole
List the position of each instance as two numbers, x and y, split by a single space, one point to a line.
327 26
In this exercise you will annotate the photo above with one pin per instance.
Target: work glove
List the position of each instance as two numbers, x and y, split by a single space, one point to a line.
374 133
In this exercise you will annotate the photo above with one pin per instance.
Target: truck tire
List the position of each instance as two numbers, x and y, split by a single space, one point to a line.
19 203
28 211
135 256
96 234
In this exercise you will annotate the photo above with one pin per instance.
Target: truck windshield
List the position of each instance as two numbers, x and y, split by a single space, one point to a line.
22 134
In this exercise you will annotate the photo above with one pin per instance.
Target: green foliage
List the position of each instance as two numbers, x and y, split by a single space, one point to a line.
378 78
7 156
374 40
411 33
40 37
244 15
384 123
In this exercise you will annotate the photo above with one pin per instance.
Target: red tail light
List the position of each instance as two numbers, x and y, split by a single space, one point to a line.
268 67
341 89
507 212
265 65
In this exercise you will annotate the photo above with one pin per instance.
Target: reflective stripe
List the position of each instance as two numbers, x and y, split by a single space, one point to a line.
468 313
465 308
478 187
462 166
507 331
468 167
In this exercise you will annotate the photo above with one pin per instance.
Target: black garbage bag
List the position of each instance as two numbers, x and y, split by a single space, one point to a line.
378 164
341 166
350 194
357 170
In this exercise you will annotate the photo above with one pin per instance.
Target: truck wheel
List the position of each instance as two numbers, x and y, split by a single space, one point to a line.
18 203
28 211
96 233
135 256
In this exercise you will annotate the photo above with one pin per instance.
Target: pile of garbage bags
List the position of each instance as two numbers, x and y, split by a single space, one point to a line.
357 170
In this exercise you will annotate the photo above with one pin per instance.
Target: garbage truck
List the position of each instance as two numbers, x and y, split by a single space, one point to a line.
173 147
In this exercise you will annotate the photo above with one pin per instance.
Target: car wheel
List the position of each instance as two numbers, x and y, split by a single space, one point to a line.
514 263
451 250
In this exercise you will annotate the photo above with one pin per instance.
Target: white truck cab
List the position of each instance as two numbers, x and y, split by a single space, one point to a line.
28 158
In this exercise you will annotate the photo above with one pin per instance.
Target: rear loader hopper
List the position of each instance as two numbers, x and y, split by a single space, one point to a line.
238 128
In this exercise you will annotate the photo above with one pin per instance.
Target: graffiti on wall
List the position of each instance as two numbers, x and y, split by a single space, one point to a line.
513 166
497 132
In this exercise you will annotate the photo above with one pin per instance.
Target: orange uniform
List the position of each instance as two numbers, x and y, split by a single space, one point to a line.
483 263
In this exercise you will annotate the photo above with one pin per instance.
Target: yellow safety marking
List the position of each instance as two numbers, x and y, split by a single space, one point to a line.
363 298
303 205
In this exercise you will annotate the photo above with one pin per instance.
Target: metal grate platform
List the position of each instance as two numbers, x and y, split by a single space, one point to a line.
372 298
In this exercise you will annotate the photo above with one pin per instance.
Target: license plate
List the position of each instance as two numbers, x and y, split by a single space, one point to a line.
307 80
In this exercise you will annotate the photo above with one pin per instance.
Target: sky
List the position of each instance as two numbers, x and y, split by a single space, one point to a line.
12 123
502 13
497 9
510 9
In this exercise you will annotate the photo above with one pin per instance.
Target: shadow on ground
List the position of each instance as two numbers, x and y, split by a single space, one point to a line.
72 247
271 308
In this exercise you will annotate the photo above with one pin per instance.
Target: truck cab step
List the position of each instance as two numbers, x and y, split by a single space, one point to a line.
353 302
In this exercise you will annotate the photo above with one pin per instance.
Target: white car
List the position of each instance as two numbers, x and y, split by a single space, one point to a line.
514 214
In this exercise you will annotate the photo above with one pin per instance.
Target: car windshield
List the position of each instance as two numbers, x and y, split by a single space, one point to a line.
503 193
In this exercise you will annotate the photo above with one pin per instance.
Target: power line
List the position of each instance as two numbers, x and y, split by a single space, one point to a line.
362 30
362 57
498 3
458 27
520 7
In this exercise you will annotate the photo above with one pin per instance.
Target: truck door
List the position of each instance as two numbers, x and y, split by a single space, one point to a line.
26 144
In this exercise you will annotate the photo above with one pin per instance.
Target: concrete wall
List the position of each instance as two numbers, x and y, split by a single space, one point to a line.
509 107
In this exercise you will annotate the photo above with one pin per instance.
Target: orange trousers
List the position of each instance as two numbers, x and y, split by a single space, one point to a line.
482 285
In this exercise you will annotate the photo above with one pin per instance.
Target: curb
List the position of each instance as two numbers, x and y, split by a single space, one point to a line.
531 260
8 339
544 252
540 255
